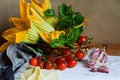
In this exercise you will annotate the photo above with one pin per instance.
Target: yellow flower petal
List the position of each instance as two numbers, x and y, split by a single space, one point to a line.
37 6
47 3
57 34
35 18
9 34
52 35
44 5
37 2
24 11
4 46
44 36
19 23
20 36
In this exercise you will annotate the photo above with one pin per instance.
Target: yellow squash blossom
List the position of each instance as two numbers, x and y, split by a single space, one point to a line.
51 36
27 27
21 26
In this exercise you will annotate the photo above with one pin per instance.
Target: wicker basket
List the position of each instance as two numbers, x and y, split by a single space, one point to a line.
59 50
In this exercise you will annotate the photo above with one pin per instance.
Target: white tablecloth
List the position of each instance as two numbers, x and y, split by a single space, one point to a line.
82 72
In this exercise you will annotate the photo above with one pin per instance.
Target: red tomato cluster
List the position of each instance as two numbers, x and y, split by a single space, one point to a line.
67 60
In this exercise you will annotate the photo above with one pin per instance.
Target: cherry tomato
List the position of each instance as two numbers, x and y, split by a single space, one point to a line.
33 61
54 65
79 55
39 58
66 51
60 59
71 63
48 65
61 65
69 56
51 58
82 39
41 65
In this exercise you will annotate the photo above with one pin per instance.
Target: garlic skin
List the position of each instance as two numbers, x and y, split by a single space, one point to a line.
97 60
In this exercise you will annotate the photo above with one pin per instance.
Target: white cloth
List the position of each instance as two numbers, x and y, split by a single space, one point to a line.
82 71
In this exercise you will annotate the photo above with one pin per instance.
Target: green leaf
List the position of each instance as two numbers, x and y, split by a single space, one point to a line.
64 22
73 35
62 9
78 19
67 18
58 42
69 10
49 12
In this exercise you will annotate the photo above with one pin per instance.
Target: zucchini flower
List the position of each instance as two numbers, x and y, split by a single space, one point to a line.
28 26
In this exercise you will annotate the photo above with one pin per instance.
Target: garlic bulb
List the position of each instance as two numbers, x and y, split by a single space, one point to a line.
97 60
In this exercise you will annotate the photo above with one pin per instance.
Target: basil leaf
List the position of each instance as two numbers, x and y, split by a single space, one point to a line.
58 42
73 35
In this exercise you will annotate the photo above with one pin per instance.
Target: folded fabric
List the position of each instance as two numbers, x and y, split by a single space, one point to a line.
15 60
35 73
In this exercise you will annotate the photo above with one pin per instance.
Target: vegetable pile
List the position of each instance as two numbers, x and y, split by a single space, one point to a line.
38 23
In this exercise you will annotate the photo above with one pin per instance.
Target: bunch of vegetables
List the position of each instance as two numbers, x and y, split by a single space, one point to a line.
68 58
27 28
39 23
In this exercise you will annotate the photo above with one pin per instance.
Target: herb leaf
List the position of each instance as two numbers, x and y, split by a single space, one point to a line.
73 35
58 42
49 12
78 19
62 9
67 18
